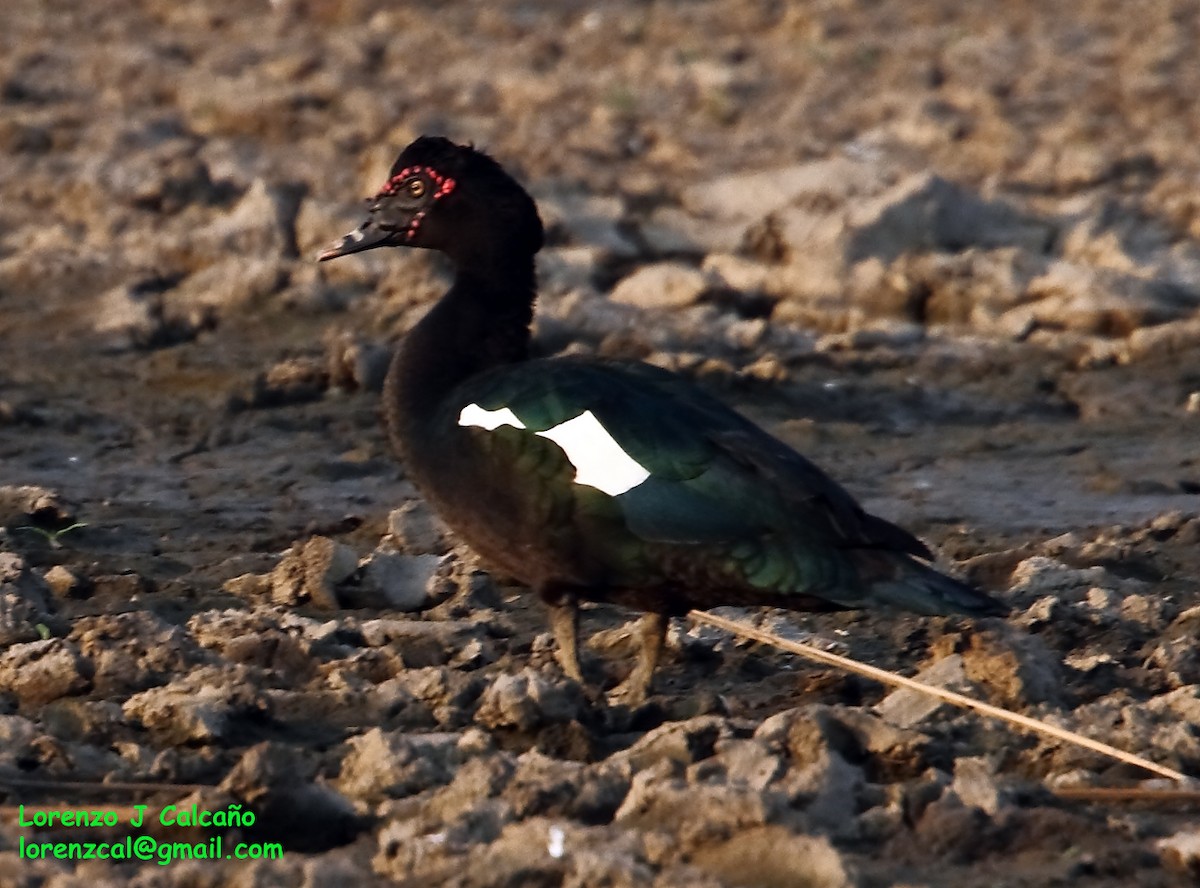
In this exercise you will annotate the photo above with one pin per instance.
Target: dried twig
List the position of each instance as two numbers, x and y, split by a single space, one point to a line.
1022 721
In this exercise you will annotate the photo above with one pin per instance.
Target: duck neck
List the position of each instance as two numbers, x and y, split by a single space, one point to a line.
481 322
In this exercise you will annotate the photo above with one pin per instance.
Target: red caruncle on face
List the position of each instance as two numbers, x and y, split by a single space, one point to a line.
444 185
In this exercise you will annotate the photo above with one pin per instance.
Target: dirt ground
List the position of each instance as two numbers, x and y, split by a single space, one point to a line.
949 251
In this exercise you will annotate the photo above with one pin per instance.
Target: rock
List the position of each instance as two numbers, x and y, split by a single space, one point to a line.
749 763
254 639
278 784
588 220
401 582
338 867
311 571
592 317
24 601
1044 611
1071 296
810 249
17 736
766 368
905 708
827 789
482 777
40 671
667 285
819 749
422 643
158 312
357 365
201 707
750 196
879 334
1091 664
975 784
261 224
394 764
451 695
949 827
164 180
517 856
128 586
225 287
747 334
618 863
1178 659
133 316
1162 340
1068 168
63 583
1148 610
805 732
564 269
29 503
1182 703
546 786
131 651
698 812
416 530
1104 600
250 586
974 287
73 718
52 257
1181 852
738 273
294 381
307 290
891 747
1016 667
925 211
1039 575
527 700
405 852
683 743
672 231
774 857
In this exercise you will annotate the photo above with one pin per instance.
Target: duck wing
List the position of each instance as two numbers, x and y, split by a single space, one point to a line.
660 467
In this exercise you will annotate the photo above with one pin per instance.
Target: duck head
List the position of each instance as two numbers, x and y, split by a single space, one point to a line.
452 198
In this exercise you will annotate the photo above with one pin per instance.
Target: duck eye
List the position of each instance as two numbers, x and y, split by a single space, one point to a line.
416 188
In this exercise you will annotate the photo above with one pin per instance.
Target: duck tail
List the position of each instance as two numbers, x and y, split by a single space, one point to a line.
904 582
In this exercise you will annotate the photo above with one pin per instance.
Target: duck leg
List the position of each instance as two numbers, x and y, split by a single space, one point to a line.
652 632
564 623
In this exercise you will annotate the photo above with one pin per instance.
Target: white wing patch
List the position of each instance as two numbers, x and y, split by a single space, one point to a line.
599 460
474 415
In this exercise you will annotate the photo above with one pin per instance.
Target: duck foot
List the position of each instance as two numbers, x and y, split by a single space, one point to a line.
652 632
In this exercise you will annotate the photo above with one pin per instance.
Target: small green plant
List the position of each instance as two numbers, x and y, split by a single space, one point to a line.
53 537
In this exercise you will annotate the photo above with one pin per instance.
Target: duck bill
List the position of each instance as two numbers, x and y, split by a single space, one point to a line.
366 237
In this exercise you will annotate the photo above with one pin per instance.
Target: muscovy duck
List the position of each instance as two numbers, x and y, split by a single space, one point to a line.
597 480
